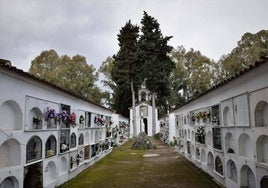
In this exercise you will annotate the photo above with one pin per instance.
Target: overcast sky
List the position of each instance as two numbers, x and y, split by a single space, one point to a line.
90 27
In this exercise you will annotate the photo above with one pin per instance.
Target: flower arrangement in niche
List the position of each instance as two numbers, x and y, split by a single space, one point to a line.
50 113
78 158
198 115
37 122
50 117
206 114
200 131
111 121
63 147
108 132
63 116
192 116
200 134
72 119
99 120
67 118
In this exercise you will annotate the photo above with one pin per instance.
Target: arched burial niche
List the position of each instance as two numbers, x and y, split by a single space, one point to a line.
34 149
245 146
197 153
193 151
96 136
50 172
63 165
226 116
81 139
193 137
218 165
87 138
261 114
247 178
11 182
229 143
264 182
262 149
208 138
11 116
203 155
51 146
210 160
231 170
10 153
35 118
73 140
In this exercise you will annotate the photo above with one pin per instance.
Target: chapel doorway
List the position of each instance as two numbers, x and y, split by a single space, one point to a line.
145 122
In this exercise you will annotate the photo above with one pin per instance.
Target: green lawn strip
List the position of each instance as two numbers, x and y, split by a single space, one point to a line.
124 167
110 169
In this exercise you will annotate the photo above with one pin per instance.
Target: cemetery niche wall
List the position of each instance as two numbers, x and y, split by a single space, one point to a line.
224 130
47 134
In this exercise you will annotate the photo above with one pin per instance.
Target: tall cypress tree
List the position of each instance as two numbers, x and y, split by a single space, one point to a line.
126 67
153 54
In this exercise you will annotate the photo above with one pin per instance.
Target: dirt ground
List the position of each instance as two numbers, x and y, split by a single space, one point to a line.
160 167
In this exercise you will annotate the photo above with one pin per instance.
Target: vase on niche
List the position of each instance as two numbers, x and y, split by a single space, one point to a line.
51 123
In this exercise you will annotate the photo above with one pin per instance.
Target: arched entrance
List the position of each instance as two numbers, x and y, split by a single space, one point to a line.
145 121
33 176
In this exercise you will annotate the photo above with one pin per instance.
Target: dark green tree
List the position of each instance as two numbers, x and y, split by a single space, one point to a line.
156 65
126 66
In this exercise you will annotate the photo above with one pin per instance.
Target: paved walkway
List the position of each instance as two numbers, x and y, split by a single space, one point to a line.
127 168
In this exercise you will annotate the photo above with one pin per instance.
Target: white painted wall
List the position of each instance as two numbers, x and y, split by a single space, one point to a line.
241 96
19 95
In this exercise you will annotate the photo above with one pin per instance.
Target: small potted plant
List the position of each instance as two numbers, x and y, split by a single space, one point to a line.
63 118
37 122
72 119
50 117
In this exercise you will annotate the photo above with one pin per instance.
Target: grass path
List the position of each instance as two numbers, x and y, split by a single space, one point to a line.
128 168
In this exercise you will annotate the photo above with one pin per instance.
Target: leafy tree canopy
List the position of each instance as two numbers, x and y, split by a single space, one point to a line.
71 73
248 51
191 76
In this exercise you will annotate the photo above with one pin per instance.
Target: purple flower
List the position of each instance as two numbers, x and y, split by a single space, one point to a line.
49 113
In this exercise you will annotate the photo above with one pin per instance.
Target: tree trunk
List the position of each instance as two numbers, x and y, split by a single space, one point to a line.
133 109
153 115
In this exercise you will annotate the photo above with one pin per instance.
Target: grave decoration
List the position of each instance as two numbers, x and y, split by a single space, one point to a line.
142 142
